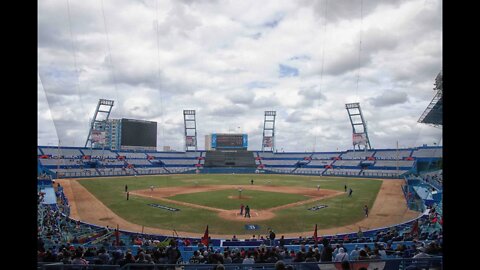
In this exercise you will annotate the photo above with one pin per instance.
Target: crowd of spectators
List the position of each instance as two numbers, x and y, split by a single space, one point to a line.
171 254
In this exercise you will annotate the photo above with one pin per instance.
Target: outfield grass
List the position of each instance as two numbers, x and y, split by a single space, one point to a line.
341 210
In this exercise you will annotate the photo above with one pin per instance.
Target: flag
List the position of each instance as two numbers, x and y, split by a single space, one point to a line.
415 228
315 234
205 237
117 236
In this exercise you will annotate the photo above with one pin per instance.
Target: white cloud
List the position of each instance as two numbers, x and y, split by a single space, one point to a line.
222 59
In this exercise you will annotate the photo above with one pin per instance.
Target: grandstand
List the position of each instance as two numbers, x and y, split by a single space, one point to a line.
84 162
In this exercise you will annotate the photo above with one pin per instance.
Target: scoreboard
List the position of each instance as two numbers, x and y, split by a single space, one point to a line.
138 133
229 141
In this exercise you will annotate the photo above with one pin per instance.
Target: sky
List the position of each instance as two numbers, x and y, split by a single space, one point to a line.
231 61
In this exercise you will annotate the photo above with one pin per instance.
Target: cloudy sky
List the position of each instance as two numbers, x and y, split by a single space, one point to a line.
232 60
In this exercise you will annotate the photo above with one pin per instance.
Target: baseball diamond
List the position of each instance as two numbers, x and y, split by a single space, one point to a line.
272 206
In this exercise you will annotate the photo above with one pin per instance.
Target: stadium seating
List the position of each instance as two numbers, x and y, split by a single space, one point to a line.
59 152
392 154
428 152
86 162
130 155
358 154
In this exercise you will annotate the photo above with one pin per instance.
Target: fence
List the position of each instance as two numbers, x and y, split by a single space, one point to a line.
432 263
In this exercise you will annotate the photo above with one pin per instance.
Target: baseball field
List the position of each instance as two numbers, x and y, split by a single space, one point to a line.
289 204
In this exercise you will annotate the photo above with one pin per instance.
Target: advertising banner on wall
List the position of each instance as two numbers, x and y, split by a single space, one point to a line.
359 138
98 136
191 141
268 142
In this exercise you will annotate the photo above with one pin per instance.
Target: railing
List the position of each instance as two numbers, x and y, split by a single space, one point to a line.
431 263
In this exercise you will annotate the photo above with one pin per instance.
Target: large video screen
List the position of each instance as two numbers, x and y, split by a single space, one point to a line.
138 133
229 141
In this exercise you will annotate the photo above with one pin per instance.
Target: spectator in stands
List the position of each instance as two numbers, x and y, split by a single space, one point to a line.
355 252
89 252
421 253
409 252
367 249
248 259
375 255
196 258
327 251
237 257
219 267
148 259
433 248
272 238
341 256
141 257
78 258
280 265
117 256
128 259
227 259
299 257
281 241
66 257
173 253
362 255
103 255
310 258
359 233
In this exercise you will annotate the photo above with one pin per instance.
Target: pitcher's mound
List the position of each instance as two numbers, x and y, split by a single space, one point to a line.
240 198
254 215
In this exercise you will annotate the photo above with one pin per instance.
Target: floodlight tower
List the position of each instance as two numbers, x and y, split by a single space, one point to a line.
190 130
433 114
104 107
268 140
360 134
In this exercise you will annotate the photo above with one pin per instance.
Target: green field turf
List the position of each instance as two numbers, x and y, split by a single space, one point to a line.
341 209
258 199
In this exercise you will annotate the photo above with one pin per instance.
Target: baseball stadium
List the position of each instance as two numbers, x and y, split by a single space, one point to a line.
238 202
229 200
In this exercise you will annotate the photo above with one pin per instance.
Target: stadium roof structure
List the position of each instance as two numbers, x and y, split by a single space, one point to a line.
433 114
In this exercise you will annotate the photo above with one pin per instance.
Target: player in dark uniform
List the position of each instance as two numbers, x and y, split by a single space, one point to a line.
247 211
